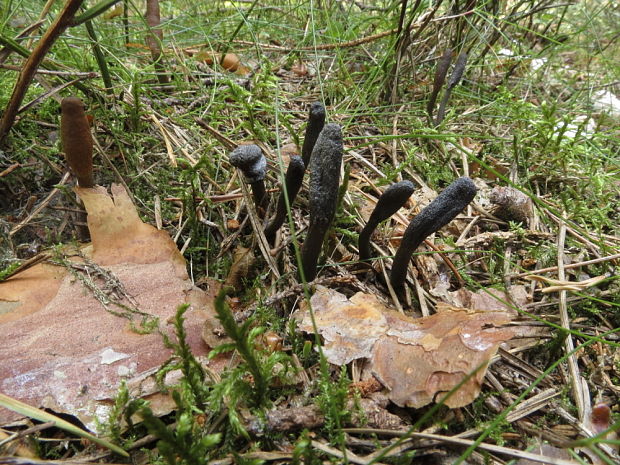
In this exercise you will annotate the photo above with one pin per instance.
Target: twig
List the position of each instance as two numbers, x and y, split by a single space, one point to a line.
225 141
575 377
258 230
41 206
63 21
467 442
570 266
350 456
55 90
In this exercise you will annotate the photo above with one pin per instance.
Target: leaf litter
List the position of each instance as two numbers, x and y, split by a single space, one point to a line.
80 325
416 359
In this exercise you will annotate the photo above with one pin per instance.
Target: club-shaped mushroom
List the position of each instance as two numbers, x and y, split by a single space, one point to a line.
77 142
251 161
316 121
292 184
324 183
449 203
390 201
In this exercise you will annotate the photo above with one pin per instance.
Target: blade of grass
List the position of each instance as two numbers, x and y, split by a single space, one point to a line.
94 11
37 414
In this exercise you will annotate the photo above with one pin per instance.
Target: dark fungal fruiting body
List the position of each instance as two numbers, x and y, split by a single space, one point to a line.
292 184
440 76
154 38
324 182
455 78
316 122
77 141
437 214
390 201
251 161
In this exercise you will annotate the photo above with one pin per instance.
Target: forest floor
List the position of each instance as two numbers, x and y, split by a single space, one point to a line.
534 121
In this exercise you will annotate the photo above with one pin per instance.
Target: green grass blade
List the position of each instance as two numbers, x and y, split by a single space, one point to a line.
37 414
95 11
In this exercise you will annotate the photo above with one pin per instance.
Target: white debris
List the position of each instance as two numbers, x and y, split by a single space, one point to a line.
605 101
109 356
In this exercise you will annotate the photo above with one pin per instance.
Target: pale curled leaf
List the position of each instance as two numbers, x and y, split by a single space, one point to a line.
415 359
557 285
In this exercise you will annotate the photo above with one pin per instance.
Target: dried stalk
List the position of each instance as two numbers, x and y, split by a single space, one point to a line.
154 38
63 21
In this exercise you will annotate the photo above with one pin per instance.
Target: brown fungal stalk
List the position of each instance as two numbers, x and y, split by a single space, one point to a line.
154 39
251 161
77 141
292 184
316 121
455 78
324 182
390 201
440 77
452 200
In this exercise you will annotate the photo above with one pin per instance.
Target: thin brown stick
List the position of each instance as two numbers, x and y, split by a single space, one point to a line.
566 267
447 261
154 39
10 169
63 21
43 204
347 44
466 442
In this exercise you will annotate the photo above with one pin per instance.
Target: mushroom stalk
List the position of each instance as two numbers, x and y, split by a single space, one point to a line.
77 140
390 201
437 214
251 161
292 184
324 181
316 121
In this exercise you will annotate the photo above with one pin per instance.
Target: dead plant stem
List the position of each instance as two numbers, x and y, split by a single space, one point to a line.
573 368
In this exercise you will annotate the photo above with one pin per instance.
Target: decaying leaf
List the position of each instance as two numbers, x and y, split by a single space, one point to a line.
243 260
417 360
485 298
511 204
72 325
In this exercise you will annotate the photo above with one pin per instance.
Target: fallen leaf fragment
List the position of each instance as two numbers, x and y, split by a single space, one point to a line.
243 260
417 360
73 327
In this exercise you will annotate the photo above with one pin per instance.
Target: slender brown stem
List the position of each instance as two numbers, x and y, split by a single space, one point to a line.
292 184
63 21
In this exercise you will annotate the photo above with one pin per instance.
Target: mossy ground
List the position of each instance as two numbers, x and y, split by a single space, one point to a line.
527 115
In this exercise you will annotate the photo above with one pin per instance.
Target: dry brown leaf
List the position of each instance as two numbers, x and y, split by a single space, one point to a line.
243 260
415 359
70 326
300 69
486 298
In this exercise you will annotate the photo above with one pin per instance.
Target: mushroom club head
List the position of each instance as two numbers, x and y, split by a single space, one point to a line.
77 141
325 175
250 160
316 122
324 184
446 206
